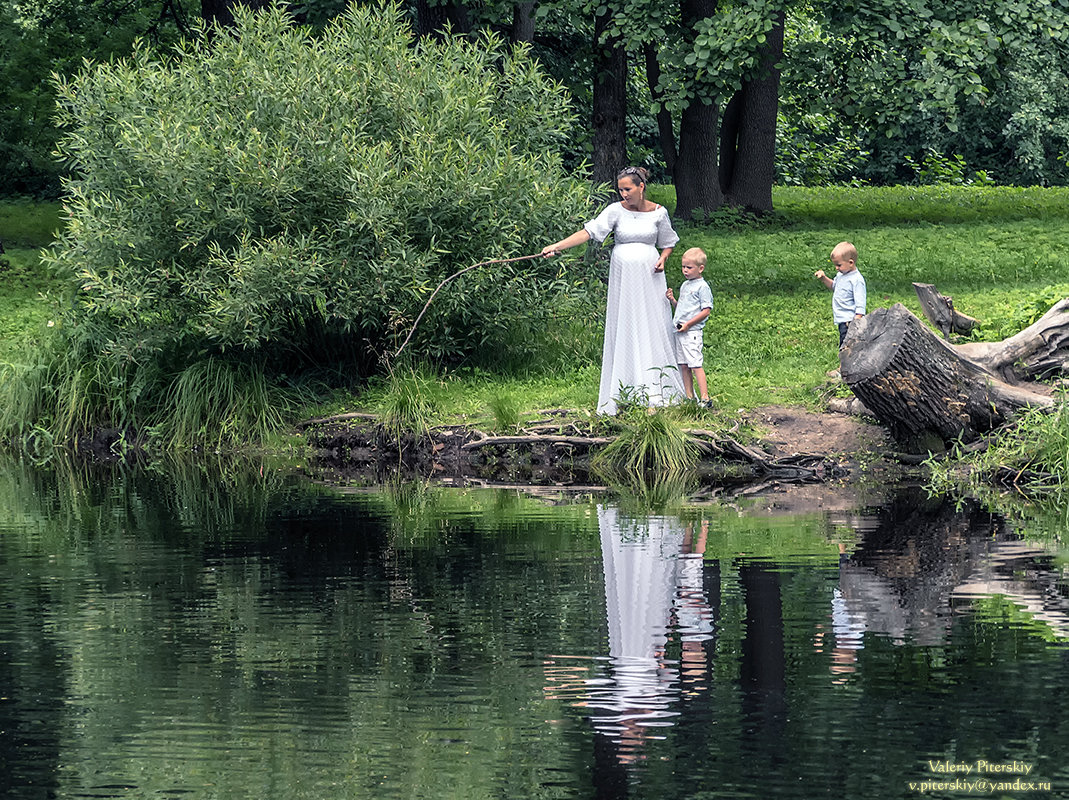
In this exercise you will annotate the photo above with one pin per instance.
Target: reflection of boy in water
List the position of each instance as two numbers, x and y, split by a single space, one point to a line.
848 629
693 615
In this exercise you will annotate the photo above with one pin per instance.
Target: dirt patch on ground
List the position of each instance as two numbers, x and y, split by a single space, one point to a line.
788 431
861 447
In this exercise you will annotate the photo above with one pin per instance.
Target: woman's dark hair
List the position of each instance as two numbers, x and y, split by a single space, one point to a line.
637 173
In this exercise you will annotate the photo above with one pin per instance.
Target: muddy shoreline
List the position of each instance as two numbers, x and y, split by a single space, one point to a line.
794 447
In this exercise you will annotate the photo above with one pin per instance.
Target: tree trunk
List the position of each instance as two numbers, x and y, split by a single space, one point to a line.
696 174
927 392
610 104
729 139
753 165
665 133
523 27
432 19
697 182
221 12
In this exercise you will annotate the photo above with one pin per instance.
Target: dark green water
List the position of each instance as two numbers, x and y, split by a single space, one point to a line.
203 633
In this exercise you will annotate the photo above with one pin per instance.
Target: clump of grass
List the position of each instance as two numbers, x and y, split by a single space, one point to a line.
505 407
1032 457
42 391
406 407
23 388
219 403
648 443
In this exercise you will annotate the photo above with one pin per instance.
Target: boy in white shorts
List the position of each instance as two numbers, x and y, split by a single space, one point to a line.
693 308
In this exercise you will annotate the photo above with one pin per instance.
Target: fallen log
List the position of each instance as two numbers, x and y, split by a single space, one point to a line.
574 441
335 418
1039 351
929 393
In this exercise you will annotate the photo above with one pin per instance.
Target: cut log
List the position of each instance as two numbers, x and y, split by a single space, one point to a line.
940 311
925 391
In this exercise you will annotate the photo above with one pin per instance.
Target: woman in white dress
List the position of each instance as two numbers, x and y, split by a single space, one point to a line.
637 357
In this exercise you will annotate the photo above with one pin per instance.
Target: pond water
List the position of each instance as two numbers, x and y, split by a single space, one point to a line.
243 633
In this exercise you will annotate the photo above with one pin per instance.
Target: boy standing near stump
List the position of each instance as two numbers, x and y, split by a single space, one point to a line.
848 288
692 309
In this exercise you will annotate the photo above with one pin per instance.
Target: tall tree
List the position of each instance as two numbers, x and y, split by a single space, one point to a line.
610 99
748 135
695 175
698 55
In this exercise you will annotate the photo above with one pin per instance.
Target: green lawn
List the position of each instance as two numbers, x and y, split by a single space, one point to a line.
1002 253
25 228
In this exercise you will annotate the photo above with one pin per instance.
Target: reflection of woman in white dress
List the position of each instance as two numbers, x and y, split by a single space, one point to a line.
640 558
637 354
654 590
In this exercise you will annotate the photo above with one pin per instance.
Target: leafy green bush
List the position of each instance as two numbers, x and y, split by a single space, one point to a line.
812 150
273 197
982 80
936 169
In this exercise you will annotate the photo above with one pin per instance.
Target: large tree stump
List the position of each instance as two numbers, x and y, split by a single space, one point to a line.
925 391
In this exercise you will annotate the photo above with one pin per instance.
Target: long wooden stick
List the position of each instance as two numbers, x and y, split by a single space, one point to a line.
444 282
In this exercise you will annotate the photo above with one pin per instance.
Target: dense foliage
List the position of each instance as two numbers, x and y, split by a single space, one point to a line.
916 81
272 201
42 37
877 91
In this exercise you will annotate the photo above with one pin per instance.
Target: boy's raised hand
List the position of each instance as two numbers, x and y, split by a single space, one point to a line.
670 295
819 274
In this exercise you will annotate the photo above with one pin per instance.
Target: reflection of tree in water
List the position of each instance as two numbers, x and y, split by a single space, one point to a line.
914 557
654 593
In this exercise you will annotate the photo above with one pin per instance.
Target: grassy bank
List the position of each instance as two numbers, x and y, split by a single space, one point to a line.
1002 253
25 228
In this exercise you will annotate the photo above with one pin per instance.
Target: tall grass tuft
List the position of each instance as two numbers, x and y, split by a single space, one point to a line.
65 396
505 406
24 391
215 402
648 443
406 407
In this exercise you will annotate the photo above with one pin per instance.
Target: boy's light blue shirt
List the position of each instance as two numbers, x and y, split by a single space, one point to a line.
848 296
694 295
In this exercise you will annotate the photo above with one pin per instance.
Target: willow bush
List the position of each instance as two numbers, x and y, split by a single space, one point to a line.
289 200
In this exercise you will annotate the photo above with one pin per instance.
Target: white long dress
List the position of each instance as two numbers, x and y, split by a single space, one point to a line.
637 356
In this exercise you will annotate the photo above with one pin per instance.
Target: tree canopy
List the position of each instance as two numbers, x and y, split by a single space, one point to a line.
871 90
